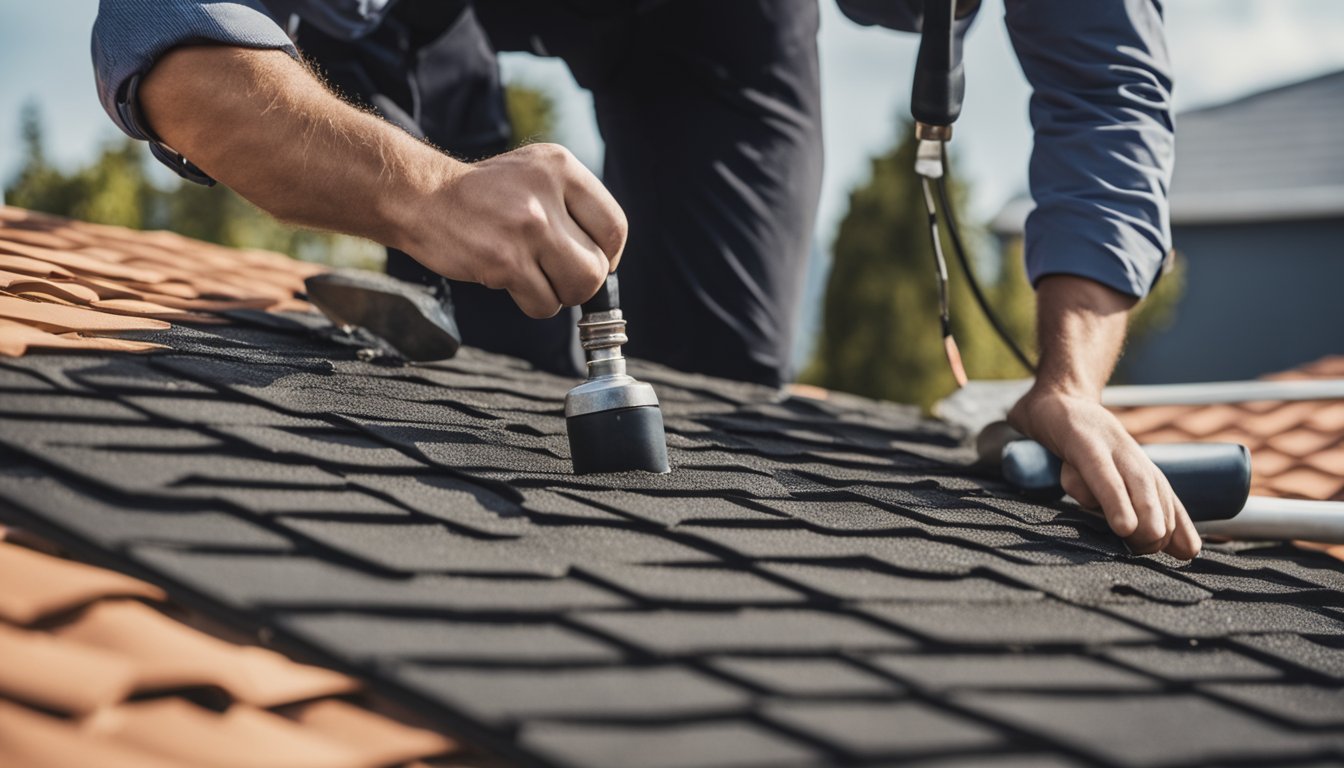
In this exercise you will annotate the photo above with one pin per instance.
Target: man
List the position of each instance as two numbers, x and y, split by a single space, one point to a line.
713 149
711 116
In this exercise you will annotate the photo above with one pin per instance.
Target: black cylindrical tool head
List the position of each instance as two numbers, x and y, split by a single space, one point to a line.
618 440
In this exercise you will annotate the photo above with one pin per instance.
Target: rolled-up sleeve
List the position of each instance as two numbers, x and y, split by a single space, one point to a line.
1102 160
130 35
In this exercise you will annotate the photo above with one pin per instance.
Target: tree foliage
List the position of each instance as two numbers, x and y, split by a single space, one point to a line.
531 114
880 333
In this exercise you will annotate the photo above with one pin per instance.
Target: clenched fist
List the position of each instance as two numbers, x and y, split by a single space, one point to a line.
534 222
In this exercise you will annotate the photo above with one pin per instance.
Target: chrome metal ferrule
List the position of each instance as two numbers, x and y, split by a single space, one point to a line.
602 334
928 132
608 386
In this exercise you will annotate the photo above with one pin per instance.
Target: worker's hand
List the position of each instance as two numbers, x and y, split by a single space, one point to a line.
1105 468
534 222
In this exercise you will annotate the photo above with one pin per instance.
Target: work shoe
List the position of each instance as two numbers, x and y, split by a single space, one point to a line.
415 320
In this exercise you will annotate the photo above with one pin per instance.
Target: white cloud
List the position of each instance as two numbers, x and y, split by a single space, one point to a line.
1222 49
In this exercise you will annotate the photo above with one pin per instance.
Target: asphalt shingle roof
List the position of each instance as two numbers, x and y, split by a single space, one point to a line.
1282 139
815 583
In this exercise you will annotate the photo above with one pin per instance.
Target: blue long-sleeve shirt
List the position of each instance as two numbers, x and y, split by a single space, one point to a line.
1101 107
1105 140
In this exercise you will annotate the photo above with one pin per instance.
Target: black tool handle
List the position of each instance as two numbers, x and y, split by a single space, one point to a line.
1212 480
607 298
940 79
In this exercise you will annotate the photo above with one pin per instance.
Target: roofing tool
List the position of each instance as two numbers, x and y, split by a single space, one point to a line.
416 321
613 420
1212 480
935 102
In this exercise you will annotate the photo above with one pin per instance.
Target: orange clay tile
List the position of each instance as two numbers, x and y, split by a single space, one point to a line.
168 654
77 262
239 737
33 740
17 339
83 281
59 676
1208 420
91 678
62 319
34 267
37 585
1307 483
375 739
1328 418
1297 448
17 283
1282 419
1301 443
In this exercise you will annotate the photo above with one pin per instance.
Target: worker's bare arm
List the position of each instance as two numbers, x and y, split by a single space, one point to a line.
1082 329
534 221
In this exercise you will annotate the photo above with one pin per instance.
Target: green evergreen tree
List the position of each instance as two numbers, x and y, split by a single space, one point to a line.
531 114
38 185
880 333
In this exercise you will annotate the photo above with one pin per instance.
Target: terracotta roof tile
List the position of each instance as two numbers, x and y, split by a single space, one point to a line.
89 679
1302 442
82 264
38 585
376 739
59 318
34 740
168 654
92 676
1331 367
239 737
68 285
1297 448
1328 418
16 339
1307 483
1206 421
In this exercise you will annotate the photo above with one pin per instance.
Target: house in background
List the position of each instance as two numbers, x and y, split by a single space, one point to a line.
1257 214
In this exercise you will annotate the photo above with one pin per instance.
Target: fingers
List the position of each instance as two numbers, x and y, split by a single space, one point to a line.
574 264
1107 489
1073 484
1138 503
1104 467
532 291
1185 542
1150 507
596 212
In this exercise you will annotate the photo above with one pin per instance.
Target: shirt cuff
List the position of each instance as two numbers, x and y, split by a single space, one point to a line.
1095 244
129 36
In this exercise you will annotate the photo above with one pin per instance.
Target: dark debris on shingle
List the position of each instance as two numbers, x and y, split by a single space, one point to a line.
817 583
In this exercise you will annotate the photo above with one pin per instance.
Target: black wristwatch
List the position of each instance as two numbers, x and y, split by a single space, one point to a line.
128 107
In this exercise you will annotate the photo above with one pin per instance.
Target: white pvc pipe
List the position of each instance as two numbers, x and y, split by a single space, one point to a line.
1223 392
1265 518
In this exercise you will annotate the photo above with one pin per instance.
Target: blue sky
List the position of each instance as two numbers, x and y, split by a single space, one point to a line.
1222 48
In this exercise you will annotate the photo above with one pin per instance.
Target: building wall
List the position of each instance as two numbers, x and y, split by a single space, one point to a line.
1259 298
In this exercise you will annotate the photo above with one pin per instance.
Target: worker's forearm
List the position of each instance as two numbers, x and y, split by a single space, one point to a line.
262 124
1081 331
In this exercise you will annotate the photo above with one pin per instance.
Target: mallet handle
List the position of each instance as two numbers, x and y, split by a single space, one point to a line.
1213 480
